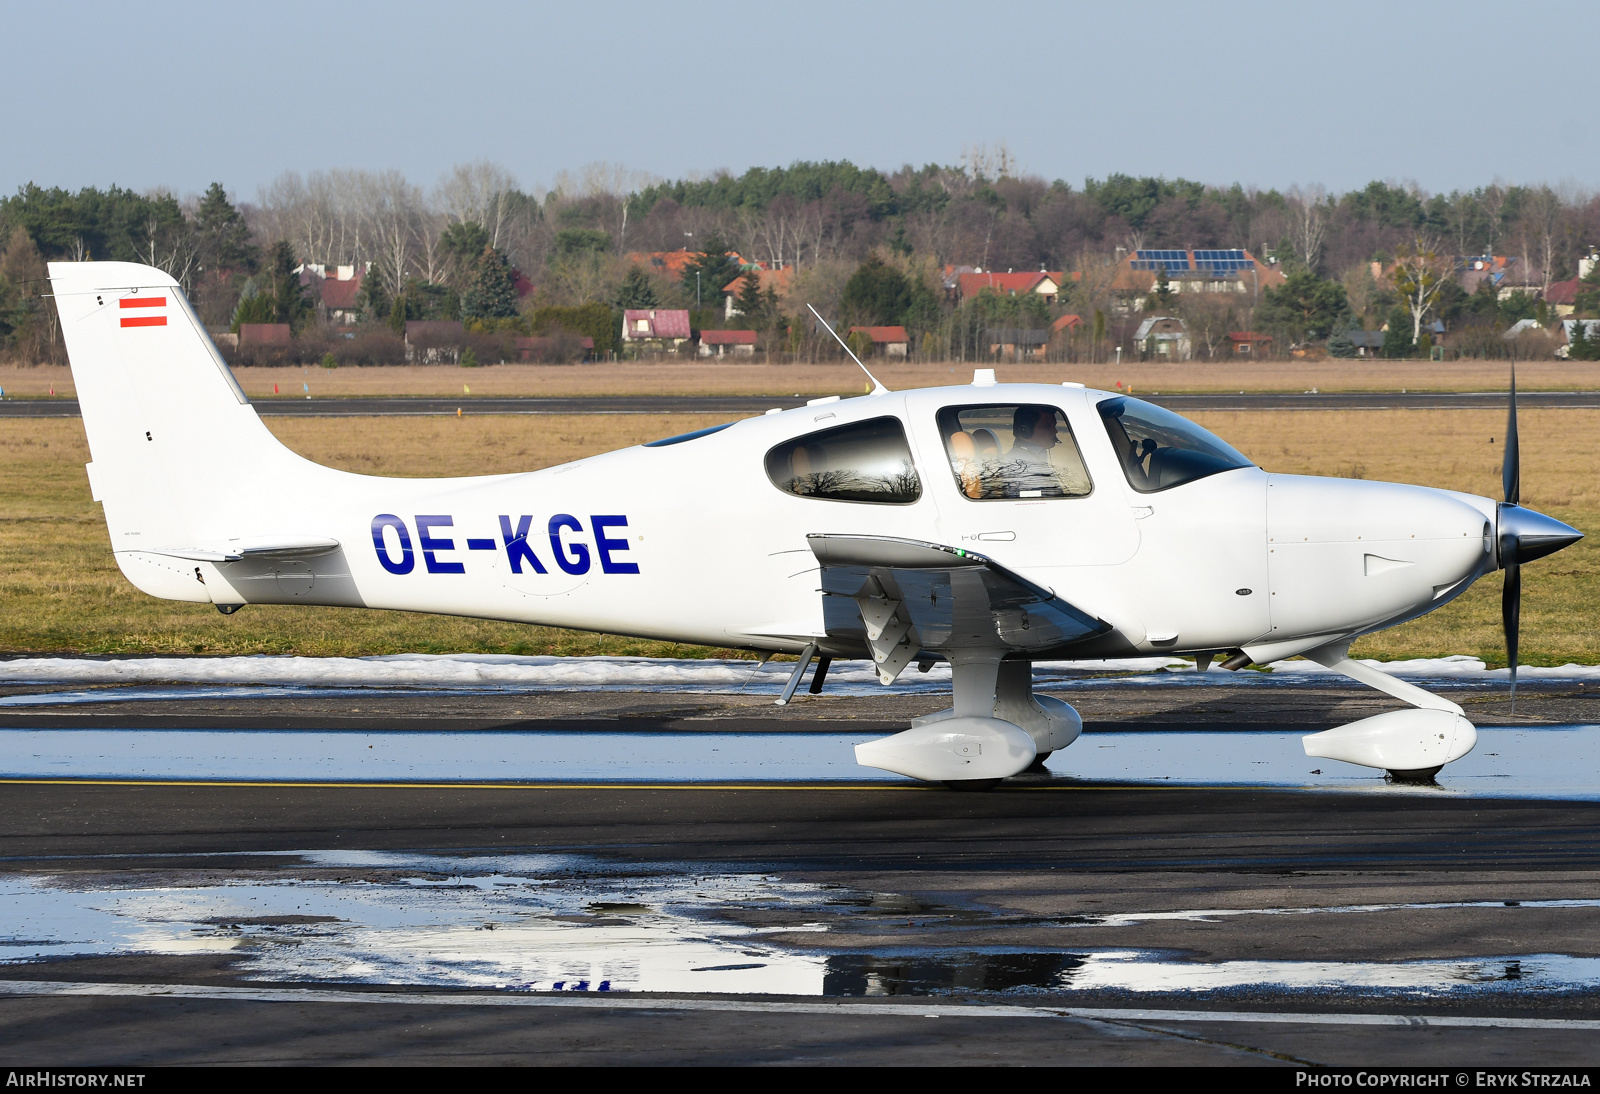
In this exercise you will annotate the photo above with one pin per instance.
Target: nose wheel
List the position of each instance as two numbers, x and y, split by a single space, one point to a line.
1422 776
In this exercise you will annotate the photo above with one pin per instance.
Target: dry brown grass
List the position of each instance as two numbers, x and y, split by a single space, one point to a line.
61 589
673 377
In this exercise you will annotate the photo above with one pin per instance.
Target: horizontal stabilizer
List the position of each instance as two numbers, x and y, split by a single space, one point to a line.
264 547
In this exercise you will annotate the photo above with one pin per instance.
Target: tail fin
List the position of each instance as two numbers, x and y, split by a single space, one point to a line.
176 445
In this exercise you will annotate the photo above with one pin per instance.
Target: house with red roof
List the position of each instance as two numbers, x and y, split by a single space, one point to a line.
1062 332
1234 270
340 295
671 264
776 280
725 343
889 341
1041 282
1562 296
1249 343
434 340
554 347
264 334
655 328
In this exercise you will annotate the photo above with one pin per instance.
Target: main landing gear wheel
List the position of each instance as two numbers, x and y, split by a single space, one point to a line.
974 785
1038 763
1420 775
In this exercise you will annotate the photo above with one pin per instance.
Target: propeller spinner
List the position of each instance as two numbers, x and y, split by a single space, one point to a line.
1522 535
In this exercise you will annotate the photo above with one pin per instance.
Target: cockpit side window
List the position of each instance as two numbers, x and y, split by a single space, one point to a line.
1159 449
864 461
1013 451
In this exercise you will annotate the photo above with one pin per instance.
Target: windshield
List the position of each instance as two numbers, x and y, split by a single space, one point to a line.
1160 450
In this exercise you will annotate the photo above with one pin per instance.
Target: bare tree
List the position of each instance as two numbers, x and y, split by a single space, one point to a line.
1360 290
584 276
479 192
394 215
1493 200
985 164
1308 223
1419 277
1540 216
431 262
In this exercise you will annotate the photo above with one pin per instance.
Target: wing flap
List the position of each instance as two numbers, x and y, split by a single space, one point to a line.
900 597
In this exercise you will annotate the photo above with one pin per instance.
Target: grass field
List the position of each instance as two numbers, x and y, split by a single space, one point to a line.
61 590
673 377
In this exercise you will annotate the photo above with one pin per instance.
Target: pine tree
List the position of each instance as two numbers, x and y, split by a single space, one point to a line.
714 267
751 303
397 314
637 290
1397 339
222 235
492 294
1340 344
1581 346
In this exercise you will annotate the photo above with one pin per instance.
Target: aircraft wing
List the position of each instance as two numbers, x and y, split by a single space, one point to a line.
901 597
266 547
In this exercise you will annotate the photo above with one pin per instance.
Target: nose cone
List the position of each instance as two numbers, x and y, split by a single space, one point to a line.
1525 535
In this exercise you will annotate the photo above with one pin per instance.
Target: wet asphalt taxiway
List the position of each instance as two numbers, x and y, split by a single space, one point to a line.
1186 903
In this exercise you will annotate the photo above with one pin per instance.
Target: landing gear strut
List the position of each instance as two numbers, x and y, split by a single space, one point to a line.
997 727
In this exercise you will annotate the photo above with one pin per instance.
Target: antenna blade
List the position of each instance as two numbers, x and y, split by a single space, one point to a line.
877 386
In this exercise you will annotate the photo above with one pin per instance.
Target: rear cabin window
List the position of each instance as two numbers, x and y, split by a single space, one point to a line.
1012 451
1160 450
865 461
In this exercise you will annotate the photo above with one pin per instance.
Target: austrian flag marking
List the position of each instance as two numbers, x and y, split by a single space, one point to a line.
146 320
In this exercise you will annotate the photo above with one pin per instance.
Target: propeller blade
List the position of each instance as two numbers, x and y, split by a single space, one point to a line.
1511 620
1511 470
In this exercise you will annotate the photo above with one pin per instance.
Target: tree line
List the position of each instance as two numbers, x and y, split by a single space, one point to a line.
863 245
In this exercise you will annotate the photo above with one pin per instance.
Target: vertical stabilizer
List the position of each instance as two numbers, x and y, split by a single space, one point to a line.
178 451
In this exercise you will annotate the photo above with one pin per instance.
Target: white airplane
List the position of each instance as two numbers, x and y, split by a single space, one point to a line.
987 525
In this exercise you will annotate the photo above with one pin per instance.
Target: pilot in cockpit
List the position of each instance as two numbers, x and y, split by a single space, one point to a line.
1029 471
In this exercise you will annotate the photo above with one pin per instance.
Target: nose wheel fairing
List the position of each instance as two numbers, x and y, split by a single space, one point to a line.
1409 744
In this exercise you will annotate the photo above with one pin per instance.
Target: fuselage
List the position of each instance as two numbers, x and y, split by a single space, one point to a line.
703 541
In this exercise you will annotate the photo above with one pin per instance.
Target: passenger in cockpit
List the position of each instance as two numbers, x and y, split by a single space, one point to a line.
964 461
805 464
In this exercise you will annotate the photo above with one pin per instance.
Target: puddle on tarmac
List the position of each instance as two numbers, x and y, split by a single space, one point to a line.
562 923
1548 762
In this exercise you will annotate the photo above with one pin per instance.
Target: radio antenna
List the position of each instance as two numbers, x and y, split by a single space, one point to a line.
877 386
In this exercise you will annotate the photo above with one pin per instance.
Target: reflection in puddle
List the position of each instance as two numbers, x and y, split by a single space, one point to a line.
1144 971
563 923
522 922
1548 762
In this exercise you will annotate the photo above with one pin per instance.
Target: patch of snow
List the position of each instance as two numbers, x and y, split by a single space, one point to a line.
533 673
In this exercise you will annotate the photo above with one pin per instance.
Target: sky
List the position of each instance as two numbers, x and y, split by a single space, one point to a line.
177 95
